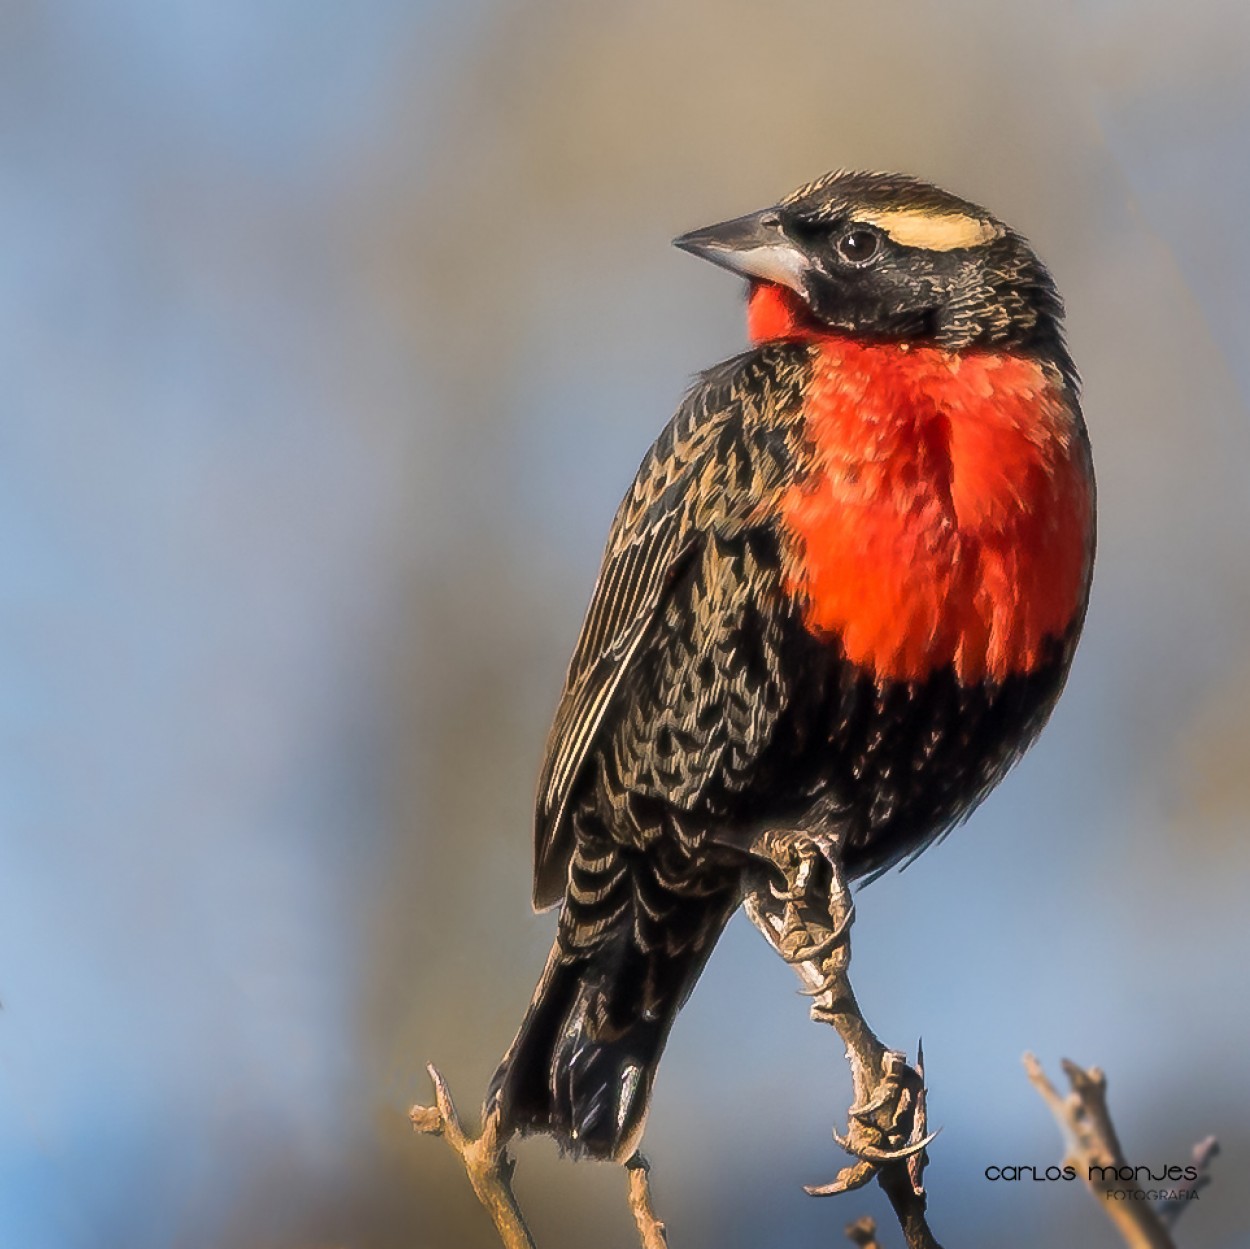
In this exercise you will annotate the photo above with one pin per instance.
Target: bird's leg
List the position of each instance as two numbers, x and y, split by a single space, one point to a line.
809 922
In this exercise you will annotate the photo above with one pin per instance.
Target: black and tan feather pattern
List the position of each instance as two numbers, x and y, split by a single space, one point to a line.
708 475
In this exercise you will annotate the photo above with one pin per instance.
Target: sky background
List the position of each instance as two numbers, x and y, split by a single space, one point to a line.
332 334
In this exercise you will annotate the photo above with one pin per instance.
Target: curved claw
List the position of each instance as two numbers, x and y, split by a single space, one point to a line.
784 895
870 1153
848 1179
870 1160
847 920
885 1094
895 1084
825 985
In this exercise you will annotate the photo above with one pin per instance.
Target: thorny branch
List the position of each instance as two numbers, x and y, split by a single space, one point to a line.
808 923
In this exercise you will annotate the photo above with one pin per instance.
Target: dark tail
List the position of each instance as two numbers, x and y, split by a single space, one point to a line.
582 1065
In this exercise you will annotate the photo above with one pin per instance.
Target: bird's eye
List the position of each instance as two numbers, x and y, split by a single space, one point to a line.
858 246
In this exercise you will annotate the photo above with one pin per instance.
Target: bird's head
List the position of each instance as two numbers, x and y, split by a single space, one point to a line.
887 257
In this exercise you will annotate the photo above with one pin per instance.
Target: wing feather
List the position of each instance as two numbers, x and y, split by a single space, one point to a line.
698 478
630 590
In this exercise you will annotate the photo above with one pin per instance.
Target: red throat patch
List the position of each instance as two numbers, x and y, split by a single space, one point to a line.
774 312
948 514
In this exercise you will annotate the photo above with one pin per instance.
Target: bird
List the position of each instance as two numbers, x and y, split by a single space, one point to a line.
839 600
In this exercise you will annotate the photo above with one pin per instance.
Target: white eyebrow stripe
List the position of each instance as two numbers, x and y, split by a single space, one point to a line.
931 231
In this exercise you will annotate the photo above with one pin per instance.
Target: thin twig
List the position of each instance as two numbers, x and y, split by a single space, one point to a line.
863 1232
485 1160
1093 1149
651 1231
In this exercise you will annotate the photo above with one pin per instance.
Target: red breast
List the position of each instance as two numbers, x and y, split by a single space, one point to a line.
946 515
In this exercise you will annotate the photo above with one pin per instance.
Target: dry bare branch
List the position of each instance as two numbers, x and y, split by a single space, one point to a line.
489 1168
1091 1144
1093 1147
485 1160
651 1231
808 922
908 1202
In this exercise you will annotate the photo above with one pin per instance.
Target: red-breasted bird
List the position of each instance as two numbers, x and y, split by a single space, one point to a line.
840 598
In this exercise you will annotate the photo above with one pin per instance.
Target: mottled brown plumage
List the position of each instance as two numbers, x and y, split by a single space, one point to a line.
709 699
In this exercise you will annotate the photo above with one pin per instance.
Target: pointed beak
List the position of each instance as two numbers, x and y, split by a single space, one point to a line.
754 246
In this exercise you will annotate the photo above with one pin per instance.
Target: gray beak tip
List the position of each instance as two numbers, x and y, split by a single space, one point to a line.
693 241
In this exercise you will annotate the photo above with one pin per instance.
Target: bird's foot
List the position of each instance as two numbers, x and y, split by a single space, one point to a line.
887 1126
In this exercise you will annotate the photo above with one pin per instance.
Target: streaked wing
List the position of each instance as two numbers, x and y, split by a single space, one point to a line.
631 588
724 450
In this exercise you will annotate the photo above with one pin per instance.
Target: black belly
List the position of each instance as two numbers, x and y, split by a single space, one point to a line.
903 761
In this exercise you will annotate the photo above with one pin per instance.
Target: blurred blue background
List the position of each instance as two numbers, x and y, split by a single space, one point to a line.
331 336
